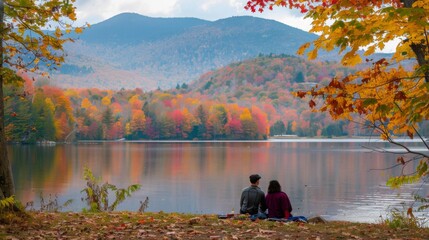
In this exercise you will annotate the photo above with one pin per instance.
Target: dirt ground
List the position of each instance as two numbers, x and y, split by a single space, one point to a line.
126 225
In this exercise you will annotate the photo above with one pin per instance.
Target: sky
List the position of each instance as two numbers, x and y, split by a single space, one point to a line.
94 11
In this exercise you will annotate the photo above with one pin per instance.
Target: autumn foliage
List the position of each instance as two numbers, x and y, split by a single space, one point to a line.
246 100
63 115
26 46
388 96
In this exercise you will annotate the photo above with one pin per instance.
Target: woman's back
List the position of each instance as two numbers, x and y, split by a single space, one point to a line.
278 205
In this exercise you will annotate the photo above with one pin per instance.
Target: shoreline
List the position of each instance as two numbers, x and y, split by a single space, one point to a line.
286 138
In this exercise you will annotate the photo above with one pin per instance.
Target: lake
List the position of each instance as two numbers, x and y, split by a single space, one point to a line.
333 178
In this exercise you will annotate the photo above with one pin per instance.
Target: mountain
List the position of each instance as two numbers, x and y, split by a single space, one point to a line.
134 51
132 28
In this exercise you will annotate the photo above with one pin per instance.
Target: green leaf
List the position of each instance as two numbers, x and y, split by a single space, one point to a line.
369 101
337 24
396 182
7 202
382 108
422 168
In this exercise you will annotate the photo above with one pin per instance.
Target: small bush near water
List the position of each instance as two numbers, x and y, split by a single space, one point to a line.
400 219
50 204
405 218
97 196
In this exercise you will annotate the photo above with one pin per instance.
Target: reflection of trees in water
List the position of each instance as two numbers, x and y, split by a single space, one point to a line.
319 177
37 168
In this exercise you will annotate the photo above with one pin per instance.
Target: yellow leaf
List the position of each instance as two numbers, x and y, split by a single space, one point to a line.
351 59
72 16
381 45
302 49
21 29
58 32
78 30
418 4
369 51
313 54
278 2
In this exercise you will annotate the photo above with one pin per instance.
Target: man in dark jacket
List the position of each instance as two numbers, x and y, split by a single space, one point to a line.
253 199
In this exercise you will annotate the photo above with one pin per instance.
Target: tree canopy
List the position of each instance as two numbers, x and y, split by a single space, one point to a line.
32 34
389 95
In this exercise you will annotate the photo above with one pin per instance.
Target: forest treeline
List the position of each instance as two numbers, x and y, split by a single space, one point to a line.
50 113
243 101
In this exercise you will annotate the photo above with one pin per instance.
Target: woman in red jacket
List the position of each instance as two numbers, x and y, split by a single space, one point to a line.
278 203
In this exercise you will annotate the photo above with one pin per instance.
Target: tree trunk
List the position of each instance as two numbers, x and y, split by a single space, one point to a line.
420 49
6 180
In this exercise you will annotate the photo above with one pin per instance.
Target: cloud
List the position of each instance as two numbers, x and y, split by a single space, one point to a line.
94 11
208 9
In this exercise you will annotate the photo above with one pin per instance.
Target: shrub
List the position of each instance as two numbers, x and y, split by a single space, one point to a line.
97 196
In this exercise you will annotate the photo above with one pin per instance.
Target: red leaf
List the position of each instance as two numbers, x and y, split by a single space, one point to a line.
301 94
410 212
400 96
401 160
410 134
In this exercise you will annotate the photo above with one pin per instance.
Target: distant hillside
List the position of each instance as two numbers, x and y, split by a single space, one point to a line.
245 100
268 83
266 78
130 50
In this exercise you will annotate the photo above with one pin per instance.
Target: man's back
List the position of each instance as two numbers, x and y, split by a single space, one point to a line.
252 198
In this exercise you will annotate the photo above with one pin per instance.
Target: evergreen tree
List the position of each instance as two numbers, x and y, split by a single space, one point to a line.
278 128
299 78
24 129
107 121
201 116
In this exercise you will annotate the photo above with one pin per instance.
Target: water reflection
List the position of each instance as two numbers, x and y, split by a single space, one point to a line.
332 179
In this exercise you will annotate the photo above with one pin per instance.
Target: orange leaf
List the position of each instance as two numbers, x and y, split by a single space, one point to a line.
78 30
410 212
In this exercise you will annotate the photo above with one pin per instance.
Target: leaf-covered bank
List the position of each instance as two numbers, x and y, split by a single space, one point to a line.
126 225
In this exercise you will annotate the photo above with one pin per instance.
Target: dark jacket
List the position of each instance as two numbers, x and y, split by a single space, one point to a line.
252 200
278 205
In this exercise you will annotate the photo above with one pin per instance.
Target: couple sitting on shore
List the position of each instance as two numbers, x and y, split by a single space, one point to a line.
254 202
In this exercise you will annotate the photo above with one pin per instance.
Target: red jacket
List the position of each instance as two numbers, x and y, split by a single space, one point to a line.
278 205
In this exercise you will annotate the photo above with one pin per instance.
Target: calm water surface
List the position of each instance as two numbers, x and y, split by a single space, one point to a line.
331 179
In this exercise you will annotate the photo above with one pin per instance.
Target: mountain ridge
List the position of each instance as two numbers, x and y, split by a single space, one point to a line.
136 21
160 52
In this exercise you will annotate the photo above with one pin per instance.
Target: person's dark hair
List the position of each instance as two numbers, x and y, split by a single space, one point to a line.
254 178
274 187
